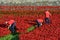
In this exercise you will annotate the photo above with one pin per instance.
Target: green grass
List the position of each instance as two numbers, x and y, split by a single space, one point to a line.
10 37
31 28
16 35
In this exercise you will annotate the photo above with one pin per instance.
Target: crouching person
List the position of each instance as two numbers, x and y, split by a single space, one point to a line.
11 26
39 22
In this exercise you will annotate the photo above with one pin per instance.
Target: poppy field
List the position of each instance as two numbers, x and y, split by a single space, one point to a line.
45 32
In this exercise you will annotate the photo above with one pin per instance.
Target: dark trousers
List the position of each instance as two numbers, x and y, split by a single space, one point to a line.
47 20
38 23
13 28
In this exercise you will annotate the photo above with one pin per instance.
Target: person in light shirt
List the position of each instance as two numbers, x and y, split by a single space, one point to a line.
47 17
39 22
11 26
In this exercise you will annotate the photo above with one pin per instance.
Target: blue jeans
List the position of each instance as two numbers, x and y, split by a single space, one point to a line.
13 28
47 20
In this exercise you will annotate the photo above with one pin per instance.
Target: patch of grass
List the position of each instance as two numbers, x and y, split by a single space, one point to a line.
10 37
30 28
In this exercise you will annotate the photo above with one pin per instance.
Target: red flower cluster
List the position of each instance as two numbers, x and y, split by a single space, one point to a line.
46 32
